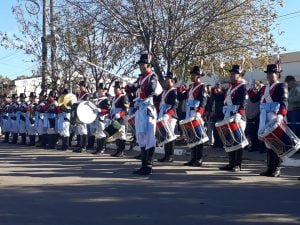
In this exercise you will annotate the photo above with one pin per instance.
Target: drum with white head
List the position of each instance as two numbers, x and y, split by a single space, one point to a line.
231 134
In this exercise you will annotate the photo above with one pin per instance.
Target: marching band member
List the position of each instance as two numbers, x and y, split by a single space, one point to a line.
6 125
39 116
145 119
273 101
196 96
167 110
234 105
22 117
49 125
13 118
31 129
118 112
103 108
81 128
130 93
63 124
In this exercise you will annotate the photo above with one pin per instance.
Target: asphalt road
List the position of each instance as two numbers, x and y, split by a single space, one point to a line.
43 187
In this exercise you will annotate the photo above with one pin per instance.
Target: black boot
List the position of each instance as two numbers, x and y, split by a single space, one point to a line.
147 165
100 146
143 159
23 138
276 163
120 148
231 158
150 152
65 142
15 138
51 140
193 158
199 156
91 142
268 172
238 160
169 149
6 137
82 144
31 140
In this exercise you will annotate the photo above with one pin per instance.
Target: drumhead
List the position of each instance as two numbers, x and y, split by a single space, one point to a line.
86 112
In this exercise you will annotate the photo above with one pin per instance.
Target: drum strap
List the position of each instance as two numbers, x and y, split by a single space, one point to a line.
192 90
267 97
230 91
100 100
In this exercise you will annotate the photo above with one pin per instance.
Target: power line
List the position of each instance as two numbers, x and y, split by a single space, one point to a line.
296 12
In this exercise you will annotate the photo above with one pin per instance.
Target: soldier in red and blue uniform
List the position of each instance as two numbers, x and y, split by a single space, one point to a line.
98 126
39 115
234 105
13 108
167 112
22 117
50 120
118 111
273 101
5 123
145 116
31 129
81 128
196 99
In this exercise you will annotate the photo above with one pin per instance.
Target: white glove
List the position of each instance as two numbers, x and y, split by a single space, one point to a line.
117 116
166 117
198 115
237 117
279 118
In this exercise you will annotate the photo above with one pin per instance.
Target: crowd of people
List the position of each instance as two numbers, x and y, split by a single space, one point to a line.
222 116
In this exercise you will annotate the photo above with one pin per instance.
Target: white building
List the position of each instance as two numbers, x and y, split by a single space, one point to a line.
28 85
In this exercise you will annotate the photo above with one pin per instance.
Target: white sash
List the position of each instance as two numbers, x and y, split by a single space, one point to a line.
266 96
230 91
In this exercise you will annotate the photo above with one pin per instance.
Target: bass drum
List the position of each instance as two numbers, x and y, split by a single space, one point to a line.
87 112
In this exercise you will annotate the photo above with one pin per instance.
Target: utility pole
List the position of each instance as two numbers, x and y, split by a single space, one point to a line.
44 46
53 46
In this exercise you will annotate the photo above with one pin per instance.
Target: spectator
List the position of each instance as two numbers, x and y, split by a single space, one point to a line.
252 114
216 110
293 115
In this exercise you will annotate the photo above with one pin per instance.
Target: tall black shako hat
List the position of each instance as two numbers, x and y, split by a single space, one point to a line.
237 69
273 68
196 70
101 86
82 83
117 84
170 75
145 58
14 96
32 95
22 95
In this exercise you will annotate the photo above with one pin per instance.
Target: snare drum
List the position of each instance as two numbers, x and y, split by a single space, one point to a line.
193 129
113 128
164 132
231 134
281 139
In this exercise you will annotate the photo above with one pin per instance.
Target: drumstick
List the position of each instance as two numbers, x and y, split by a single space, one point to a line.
101 68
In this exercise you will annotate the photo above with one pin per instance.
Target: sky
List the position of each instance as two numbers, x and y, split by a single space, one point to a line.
14 63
